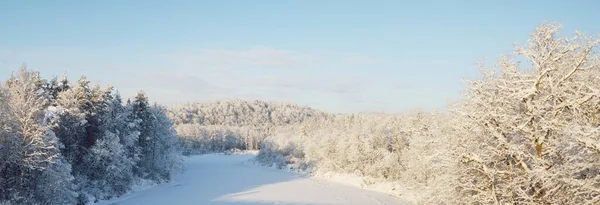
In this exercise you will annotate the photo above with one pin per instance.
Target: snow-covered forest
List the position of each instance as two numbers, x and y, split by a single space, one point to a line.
219 126
527 131
74 143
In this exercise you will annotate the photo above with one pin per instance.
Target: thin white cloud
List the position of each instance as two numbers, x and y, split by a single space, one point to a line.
326 80
254 57
267 57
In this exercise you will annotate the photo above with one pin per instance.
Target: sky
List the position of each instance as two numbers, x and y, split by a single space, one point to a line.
338 56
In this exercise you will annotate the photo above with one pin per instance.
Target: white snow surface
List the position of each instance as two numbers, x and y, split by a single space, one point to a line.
218 179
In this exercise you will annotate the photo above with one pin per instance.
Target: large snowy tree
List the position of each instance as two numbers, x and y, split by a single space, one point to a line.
530 131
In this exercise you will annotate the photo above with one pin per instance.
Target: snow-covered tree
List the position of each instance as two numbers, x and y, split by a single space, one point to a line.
142 114
55 185
529 133
166 154
71 125
121 121
110 168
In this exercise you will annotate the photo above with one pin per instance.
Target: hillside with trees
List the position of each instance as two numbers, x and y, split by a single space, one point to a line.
219 126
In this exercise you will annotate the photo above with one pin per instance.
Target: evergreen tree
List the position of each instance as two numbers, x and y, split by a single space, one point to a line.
127 127
51 89
64 83
141 113
71 125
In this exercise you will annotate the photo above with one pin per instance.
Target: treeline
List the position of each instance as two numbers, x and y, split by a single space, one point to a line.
63 143
526 132
219 126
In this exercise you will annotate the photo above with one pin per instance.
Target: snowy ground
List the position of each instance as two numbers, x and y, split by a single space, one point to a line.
229 179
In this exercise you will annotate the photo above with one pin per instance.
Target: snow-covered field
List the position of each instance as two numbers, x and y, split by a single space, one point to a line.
229 179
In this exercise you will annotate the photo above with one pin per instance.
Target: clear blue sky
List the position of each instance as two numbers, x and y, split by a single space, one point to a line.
340 56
